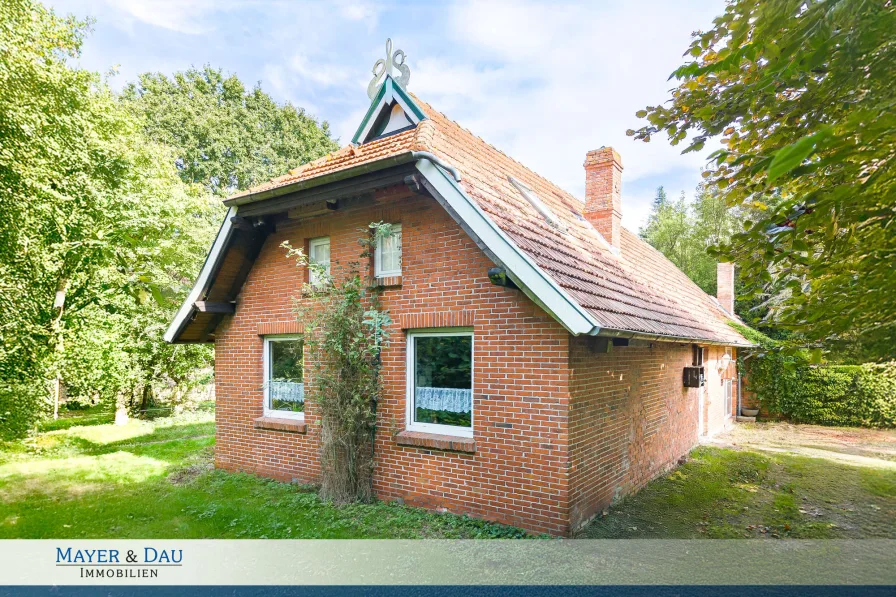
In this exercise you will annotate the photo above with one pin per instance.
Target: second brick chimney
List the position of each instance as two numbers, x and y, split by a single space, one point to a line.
603 190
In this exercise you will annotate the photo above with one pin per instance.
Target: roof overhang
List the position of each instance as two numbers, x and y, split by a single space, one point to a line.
212 262
319 181
257 207
447 191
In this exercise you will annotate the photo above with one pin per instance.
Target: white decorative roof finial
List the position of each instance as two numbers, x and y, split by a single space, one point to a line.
382 68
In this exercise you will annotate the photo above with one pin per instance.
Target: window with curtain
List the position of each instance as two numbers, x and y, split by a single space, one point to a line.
440 381
319 253
284 387
387 255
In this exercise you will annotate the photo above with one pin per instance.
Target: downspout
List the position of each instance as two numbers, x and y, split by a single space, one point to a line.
425 155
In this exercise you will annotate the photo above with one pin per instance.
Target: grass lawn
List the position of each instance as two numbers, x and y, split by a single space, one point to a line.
155 480
724 493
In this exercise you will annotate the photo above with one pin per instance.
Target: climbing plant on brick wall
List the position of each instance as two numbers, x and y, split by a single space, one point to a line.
345 332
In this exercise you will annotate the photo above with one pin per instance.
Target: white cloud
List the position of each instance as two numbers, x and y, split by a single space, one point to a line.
319 71
359 11
636 210
547 83
544 82
182 16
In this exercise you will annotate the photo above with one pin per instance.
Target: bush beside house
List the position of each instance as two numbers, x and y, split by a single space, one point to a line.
859 395
787 385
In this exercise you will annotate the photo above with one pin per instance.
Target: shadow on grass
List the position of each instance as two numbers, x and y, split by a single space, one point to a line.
155 480
75 462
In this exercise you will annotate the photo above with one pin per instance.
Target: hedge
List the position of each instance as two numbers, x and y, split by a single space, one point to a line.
22 406
863 395
786 384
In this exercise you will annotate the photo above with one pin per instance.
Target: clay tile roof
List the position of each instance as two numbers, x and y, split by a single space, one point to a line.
638 290
341 159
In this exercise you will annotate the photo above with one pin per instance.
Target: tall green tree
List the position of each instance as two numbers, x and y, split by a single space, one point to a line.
685 232
660 197
225 136
99 236
800 94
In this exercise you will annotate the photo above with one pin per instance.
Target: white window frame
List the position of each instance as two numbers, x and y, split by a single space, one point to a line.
266 360
410 424
316 242
378 270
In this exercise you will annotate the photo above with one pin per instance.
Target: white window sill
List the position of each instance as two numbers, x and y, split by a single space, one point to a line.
445 430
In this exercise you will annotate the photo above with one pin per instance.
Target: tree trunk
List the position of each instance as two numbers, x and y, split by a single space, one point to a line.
59 347
56 389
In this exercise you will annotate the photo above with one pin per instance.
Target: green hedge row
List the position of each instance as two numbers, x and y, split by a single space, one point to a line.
22 406
863 395
786 384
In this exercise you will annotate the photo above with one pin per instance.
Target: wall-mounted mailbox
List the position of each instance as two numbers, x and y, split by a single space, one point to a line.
693 377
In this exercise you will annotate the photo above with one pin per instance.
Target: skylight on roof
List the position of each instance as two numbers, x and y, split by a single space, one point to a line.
537 203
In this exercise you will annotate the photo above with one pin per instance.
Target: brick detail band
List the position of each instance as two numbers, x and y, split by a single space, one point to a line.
280 327
452 319
418 439
291 425
386 282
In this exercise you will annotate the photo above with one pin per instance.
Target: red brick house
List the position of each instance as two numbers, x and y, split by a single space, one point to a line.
538 355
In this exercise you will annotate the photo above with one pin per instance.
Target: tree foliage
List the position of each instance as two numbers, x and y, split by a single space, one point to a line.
99 236
684 232
225 137
107 213
800 94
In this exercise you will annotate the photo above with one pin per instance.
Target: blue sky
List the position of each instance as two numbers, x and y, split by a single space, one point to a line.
543 81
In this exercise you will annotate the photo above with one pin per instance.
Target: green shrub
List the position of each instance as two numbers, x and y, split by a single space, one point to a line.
22 407
787 384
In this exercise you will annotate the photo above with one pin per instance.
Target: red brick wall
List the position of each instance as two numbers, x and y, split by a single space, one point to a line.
517 474
631 418
560 431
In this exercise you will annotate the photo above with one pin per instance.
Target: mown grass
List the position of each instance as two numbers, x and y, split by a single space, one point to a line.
155 480
723 493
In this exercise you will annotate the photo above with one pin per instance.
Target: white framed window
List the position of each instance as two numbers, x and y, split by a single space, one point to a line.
387 254
284 380
440 381
319 253
728 386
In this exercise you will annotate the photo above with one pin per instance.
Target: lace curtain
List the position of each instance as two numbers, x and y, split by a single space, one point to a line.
447 399
287 391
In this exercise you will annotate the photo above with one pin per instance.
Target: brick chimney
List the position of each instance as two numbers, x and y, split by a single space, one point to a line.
725 286
603 189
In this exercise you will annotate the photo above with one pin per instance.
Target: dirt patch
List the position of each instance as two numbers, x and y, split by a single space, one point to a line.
189 474
875 448
202 463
